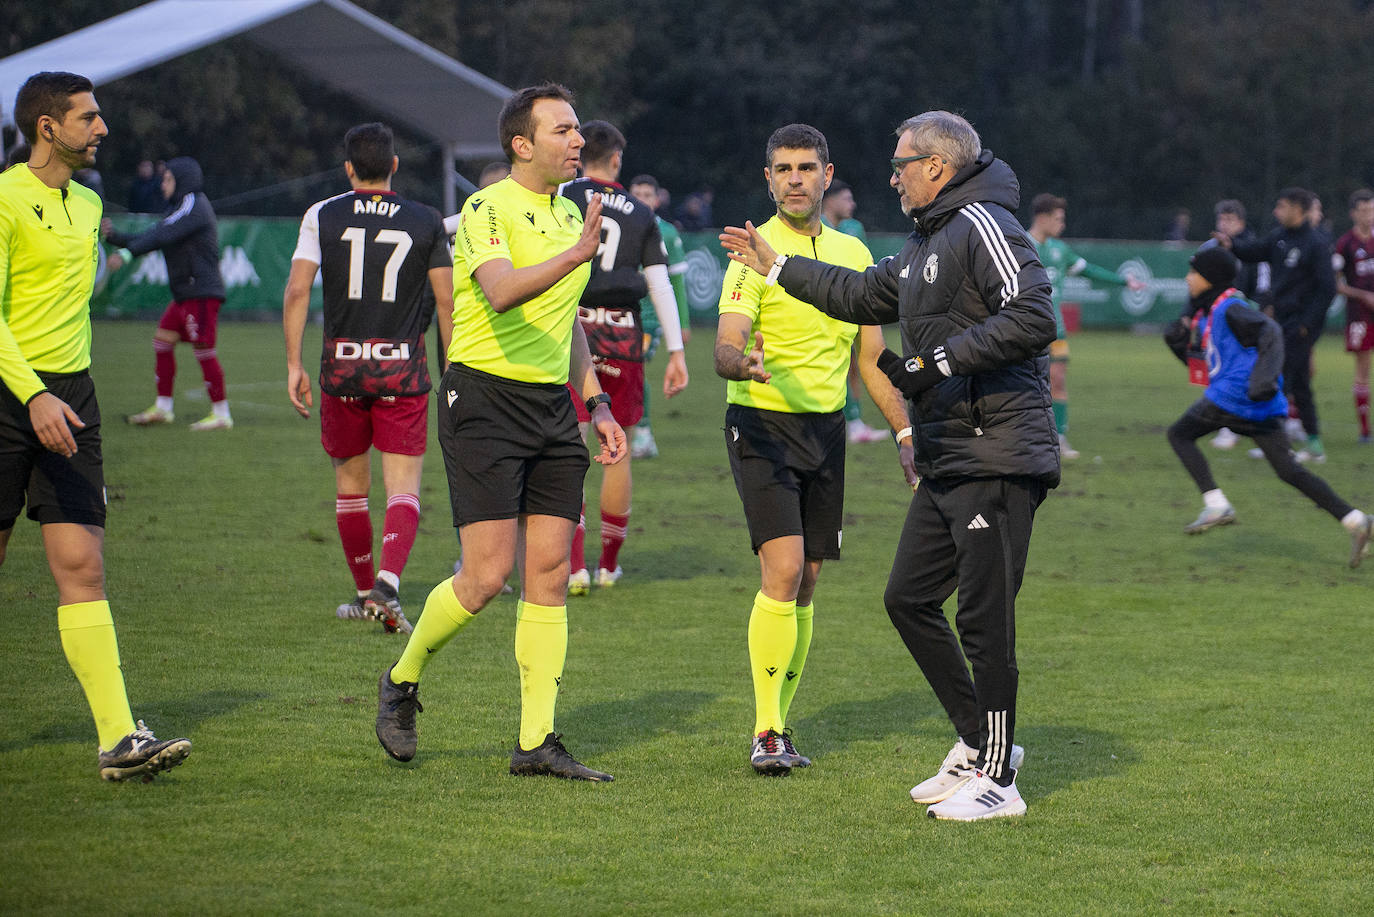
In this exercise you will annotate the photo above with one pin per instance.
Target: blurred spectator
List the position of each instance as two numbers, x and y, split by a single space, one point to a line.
492 173
695 212
1177 230
664 210
18 153
145 194
91 179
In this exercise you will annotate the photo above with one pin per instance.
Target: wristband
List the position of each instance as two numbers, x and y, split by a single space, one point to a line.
772 277
902 434
598 398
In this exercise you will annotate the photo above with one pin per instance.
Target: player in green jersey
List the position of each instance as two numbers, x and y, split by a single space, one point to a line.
1060 261
50 456
645 189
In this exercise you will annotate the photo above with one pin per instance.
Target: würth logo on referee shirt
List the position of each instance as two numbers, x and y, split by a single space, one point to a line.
979 522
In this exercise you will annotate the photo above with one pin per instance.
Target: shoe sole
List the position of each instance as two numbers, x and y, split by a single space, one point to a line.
945 794
1195 529
164 760
1018 758
772 768
1010 811
586 774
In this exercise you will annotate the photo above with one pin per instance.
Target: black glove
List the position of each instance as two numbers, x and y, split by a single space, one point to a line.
914 374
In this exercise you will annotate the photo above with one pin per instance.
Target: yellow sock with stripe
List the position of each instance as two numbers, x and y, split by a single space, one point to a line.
88 640
794 668
441 619
772 640
541 645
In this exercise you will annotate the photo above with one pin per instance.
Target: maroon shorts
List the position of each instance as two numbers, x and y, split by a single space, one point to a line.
196 320
623 380
391 423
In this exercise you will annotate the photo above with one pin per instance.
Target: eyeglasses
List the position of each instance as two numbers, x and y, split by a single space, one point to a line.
900 163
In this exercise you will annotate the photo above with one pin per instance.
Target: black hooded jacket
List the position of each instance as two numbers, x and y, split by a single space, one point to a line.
968 278
188 235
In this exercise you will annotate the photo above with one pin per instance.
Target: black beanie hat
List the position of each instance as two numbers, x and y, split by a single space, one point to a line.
1216 265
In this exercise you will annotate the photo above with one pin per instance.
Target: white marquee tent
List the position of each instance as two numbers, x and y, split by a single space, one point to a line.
334 41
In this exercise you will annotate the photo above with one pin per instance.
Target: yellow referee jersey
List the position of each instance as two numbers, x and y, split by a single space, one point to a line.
806 350
531 342
49 247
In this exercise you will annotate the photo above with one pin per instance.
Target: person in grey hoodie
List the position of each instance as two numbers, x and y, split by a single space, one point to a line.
188 236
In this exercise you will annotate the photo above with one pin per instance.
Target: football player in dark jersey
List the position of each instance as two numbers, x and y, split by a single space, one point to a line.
375 252
630 261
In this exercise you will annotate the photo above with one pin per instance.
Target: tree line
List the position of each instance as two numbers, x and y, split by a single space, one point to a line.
1130 110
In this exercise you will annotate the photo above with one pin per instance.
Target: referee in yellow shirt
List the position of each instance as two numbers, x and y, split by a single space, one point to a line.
785 429
49 419
507 426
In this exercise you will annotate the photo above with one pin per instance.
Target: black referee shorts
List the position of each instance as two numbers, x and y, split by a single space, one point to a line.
510 448
789 471
56 489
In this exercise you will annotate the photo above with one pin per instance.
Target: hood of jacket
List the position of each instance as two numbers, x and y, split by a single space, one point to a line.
189 178
986 180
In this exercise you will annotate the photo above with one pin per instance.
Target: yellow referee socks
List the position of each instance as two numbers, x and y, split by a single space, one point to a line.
772 641
442 618
794 668
88 640
541 645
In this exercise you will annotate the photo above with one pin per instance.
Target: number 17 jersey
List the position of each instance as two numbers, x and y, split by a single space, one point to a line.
375 251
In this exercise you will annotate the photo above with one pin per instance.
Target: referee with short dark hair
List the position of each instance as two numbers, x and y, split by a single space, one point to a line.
974 306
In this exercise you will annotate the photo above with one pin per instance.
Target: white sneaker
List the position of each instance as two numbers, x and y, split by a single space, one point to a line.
606 577
154 415
1065 450
860 432
980 797
580 582
956 770
1225 439
1359 541
213 422
1256 452
642 444
1293 427
1210 517
1306 456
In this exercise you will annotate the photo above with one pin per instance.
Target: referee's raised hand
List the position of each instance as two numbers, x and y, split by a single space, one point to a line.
746 246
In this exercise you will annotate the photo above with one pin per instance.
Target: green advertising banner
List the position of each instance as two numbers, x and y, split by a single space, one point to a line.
1161 266
255 258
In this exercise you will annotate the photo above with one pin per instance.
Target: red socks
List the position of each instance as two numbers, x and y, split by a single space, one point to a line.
1362 407
579 545
612 537
165 366
398 537
355 533
211 370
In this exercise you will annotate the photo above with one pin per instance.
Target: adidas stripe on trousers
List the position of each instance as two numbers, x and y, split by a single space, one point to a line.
972 534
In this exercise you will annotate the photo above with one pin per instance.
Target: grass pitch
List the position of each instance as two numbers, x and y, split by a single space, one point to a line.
1187 704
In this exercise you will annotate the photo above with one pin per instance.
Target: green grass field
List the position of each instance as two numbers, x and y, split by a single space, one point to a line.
1186 703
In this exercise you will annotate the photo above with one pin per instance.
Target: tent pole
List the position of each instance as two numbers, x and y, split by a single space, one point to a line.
450 193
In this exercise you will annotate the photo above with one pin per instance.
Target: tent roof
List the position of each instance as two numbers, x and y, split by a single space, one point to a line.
332 40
